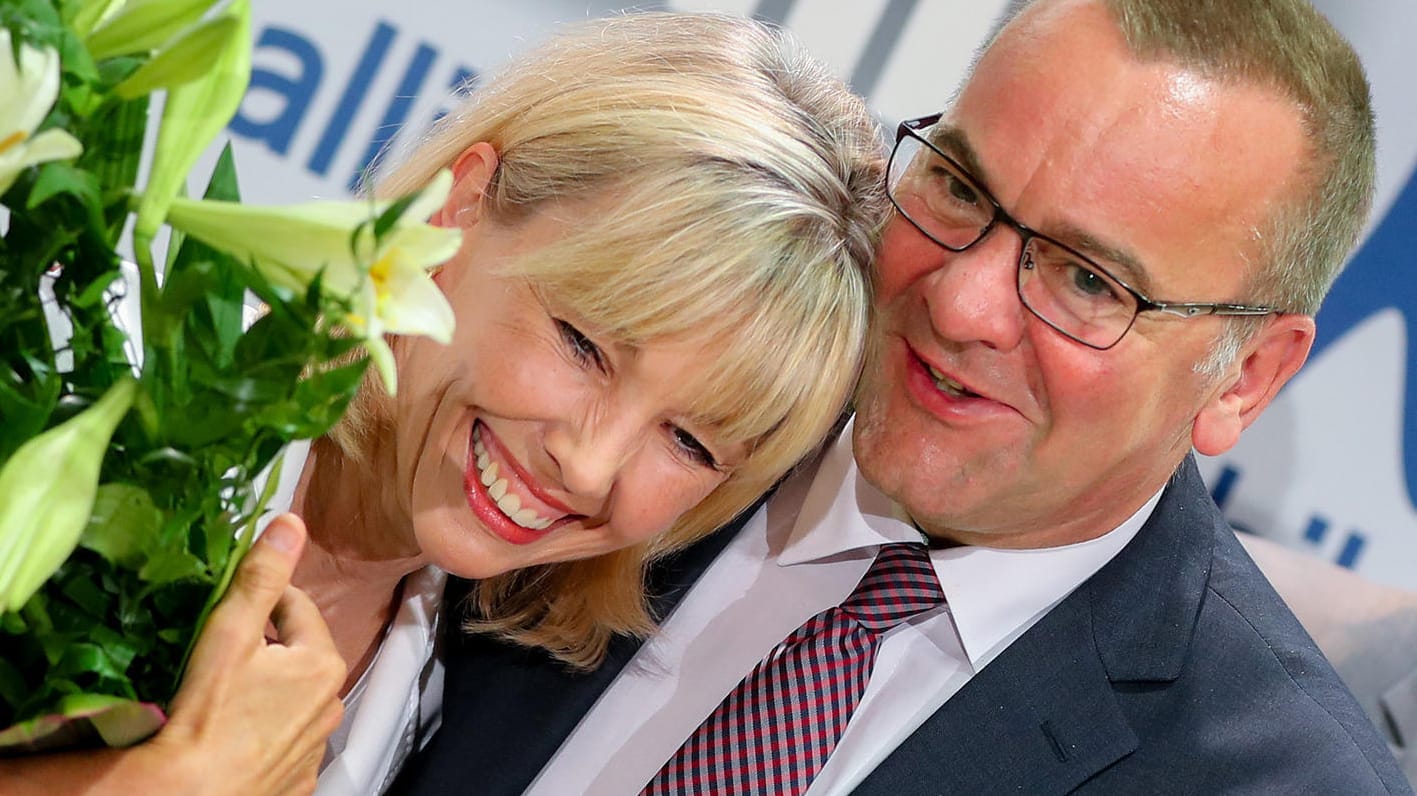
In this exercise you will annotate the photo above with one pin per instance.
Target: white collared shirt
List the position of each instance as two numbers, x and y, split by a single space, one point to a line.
396 705
806 551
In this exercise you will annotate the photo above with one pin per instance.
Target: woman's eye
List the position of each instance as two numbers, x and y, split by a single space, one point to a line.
692 448
580 346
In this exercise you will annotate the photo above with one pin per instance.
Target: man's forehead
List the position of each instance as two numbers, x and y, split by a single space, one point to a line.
1117 258
1147 162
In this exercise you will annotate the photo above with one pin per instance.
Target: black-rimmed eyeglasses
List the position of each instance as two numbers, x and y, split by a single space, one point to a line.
1062 287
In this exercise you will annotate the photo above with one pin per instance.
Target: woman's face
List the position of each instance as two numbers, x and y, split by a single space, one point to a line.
535 438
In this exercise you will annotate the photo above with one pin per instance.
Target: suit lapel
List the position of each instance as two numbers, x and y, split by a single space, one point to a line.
1045 716
1039 719
507 709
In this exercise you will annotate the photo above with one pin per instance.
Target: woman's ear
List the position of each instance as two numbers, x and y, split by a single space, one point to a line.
472 173
1264 366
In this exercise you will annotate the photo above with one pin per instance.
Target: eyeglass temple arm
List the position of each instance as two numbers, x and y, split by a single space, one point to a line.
1191 310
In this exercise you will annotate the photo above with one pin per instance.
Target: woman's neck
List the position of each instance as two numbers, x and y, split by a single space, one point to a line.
358 554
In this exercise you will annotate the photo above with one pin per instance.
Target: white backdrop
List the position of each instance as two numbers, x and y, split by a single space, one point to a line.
1329 469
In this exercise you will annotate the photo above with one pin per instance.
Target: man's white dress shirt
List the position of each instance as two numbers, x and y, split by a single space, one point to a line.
802 553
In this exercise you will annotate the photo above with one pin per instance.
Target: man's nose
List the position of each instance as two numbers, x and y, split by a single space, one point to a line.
972 297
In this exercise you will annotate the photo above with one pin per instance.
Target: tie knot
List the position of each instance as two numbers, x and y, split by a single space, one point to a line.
900 584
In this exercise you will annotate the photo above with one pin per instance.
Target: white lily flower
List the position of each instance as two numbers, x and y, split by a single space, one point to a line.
28 90
386 281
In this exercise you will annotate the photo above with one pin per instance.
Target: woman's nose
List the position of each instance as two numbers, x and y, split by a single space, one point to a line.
590 453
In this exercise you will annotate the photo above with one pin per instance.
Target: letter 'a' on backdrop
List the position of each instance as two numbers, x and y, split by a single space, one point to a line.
1330 468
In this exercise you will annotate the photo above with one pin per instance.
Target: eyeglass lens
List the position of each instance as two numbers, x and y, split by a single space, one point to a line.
1063 288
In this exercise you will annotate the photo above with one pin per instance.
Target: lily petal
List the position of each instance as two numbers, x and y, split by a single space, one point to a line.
385 281
414 305
52 144
39 79
383 359
432 197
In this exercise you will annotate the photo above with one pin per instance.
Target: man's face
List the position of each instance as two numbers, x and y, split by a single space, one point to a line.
987 425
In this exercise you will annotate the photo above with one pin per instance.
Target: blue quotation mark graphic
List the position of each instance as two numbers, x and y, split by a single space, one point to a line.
1315 532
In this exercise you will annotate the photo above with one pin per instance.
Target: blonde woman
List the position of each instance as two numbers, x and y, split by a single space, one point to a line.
661 301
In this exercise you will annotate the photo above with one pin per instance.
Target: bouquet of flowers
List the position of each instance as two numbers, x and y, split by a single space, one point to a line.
140 402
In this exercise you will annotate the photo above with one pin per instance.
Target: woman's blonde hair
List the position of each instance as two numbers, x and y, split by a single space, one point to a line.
738 192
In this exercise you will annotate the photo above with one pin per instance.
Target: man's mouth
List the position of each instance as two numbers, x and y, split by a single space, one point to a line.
947 385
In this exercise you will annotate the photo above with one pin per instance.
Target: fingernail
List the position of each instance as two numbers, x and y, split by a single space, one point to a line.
282 535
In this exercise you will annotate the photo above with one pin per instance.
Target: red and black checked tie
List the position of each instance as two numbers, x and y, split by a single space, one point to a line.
772 734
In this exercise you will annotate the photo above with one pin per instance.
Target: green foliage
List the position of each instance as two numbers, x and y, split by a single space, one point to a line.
219 395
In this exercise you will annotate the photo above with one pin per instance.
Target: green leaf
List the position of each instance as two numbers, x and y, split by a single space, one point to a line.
113 152
58 178
87 596
12 623
94 294
88 658
223 183
168 565
12 683
391 216
124 525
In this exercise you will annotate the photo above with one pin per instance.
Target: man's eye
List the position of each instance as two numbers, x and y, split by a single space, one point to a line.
580 346
1090 283
692 448
961 190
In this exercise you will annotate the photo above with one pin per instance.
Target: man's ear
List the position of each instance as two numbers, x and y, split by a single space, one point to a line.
1263 367
472 173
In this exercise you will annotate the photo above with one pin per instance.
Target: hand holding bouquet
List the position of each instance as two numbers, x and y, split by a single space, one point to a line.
137 414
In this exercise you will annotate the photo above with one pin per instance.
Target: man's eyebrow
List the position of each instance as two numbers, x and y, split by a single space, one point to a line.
1119 262
953 142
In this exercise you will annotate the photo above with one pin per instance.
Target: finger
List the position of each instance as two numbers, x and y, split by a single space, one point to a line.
298 622
263 575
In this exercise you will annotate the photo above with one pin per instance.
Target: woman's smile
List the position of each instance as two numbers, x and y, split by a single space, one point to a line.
505 496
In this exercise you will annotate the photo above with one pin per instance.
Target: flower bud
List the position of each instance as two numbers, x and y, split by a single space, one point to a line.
193 114
47 491
143 25
191 55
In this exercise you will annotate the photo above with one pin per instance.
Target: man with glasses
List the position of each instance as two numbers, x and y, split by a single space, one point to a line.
1108 253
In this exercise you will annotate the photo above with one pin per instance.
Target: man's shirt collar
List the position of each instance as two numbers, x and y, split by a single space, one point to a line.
993 594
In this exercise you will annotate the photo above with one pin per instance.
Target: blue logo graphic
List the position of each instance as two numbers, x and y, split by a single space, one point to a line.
1315 533
294 93
1376 279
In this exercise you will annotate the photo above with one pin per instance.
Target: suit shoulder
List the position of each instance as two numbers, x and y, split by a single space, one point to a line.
1265 675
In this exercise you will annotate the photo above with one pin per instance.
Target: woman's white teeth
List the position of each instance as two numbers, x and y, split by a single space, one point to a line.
509 503
946 383
528 519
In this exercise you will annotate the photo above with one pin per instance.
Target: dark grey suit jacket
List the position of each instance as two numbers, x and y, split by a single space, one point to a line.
1174 669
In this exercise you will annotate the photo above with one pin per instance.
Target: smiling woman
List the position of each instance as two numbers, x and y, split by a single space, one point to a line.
661 299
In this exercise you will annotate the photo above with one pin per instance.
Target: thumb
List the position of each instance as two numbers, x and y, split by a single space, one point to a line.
263 574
